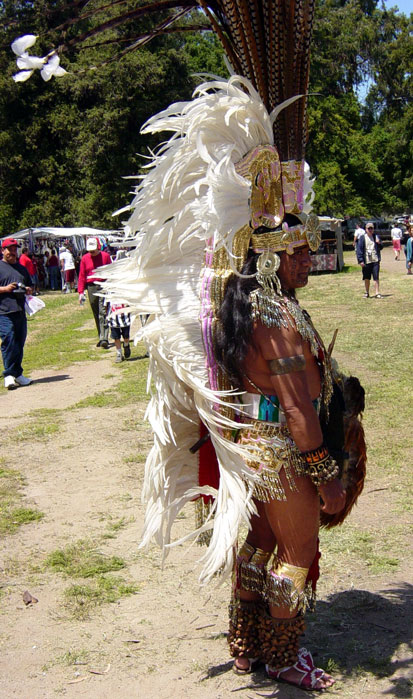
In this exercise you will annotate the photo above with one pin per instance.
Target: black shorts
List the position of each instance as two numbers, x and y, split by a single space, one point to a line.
116 333
371 269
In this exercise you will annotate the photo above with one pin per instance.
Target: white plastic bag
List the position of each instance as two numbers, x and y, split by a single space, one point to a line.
33 304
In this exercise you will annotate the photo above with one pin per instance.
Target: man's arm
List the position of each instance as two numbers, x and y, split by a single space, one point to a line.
293 391
81 281
8 289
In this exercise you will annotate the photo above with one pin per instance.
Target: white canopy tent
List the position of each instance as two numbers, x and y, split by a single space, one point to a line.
45 231
53 237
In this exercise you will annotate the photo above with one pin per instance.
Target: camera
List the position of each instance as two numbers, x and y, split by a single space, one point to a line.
20 288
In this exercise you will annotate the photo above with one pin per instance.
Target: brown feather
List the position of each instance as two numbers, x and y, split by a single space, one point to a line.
354 469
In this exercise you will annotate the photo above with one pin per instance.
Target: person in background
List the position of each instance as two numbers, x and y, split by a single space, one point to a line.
27 262
409 248
35 277
119 324
396 236
53 270
67 265
357 233
404 240
15 283
88 279
45 259
368 253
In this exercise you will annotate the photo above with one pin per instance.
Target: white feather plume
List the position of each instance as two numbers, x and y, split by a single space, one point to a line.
189 195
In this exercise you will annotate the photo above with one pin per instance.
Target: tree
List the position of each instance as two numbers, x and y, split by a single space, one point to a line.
67 144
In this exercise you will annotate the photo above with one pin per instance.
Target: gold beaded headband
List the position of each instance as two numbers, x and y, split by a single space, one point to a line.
289 238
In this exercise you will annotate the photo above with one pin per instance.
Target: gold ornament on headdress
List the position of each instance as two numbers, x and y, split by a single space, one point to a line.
262 167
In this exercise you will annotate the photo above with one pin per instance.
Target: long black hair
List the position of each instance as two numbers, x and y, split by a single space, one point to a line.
233 332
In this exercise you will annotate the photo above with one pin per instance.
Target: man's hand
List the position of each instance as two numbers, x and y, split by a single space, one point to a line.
82 299
333 496
9 288
29 290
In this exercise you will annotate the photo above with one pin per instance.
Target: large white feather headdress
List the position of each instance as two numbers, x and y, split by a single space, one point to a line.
191 202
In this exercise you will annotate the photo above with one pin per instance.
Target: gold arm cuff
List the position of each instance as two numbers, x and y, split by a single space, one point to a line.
286 365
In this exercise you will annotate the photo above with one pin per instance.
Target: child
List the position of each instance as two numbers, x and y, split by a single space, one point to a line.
119 324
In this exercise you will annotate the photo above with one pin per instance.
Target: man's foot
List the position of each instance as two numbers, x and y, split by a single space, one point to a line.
104 344
10 383
243 666
366 295
23 380
126 350
379 296
303 673
98 344
119 358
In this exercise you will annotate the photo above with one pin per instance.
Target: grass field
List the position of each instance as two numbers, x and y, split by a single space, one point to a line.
87 553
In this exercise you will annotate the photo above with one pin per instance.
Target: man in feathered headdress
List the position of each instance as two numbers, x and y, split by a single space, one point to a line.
223 229
225 232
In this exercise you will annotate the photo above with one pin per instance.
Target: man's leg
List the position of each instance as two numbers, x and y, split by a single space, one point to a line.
103 323
293 524
376 272
13 330
125 335
366 272
94 304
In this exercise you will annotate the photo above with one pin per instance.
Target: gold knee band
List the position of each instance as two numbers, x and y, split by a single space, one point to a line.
286 586
251 568
280 640
244 628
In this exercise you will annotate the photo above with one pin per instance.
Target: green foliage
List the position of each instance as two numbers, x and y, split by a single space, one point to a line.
66 145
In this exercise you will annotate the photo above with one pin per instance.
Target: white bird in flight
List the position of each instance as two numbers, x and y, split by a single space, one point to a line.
49 65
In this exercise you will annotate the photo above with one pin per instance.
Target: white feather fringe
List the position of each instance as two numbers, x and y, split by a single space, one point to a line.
190 194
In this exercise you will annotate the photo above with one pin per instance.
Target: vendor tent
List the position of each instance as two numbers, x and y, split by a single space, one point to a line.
46 236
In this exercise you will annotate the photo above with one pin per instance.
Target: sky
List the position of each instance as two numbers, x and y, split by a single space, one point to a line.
405 6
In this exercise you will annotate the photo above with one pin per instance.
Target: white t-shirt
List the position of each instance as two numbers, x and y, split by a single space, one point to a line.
357 233
371 254
68 261
396 233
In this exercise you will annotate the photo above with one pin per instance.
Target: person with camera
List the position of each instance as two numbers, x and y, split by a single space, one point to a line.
15 283
368 253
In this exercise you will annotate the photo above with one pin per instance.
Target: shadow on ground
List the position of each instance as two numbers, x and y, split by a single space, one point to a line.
359 632
52 379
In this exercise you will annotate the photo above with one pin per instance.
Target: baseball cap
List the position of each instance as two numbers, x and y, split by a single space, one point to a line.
7 242
370 224
92 244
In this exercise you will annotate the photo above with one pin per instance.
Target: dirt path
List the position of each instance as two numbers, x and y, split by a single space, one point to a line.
168 639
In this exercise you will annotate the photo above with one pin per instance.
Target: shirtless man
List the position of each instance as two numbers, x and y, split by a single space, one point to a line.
284 370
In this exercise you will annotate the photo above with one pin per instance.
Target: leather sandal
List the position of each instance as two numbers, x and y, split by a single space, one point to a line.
252 665
304 665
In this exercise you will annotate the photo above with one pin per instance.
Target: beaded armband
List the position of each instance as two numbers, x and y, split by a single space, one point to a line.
320 466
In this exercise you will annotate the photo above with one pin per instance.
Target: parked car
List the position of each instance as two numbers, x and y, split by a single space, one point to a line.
381 226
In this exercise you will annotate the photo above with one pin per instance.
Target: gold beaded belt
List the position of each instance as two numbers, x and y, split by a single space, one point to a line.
272 449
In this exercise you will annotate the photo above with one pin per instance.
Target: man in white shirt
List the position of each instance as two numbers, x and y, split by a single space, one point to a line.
396 236
357 233
67 265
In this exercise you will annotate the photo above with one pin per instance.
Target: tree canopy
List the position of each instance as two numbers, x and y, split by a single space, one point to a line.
67 145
